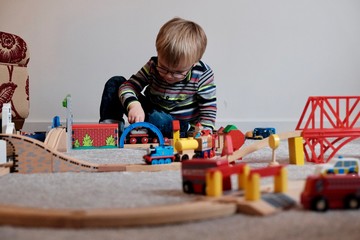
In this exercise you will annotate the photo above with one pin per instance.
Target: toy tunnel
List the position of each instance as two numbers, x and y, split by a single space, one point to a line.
147 125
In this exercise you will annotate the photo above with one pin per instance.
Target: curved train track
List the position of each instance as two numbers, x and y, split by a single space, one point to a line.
32 156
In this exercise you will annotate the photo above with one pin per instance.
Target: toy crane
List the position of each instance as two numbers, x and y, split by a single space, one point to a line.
7 125
69 121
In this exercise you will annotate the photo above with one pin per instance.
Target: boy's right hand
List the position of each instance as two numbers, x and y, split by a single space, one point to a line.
135 113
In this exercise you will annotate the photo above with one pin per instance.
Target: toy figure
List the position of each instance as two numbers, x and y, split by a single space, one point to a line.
175 84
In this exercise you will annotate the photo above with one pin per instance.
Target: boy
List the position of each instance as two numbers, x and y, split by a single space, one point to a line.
174 85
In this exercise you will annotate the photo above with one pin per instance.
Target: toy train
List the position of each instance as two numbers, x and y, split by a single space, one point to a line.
186 148
141 135
162 154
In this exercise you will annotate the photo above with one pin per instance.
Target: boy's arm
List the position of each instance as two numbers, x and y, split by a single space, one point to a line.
131 89
207 100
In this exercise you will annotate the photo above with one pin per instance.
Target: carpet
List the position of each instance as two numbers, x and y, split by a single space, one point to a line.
142 189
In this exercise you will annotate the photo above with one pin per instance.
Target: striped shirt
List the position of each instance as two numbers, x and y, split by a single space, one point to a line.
192 100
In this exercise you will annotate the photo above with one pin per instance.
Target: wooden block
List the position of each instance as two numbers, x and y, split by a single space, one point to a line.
56 139
258 207
296 150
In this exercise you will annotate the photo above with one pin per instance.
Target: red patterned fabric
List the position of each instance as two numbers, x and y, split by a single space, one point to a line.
13 49
14 78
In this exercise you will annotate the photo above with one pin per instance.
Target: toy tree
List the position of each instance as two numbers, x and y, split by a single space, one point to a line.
87 141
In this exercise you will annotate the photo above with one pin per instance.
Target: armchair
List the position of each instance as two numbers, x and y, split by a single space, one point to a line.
14 77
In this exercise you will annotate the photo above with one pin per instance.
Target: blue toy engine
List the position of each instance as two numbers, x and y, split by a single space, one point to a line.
161 154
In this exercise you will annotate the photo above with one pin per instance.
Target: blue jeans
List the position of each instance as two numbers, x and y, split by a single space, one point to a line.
112 109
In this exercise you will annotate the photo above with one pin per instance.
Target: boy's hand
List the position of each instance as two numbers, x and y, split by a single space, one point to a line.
135 113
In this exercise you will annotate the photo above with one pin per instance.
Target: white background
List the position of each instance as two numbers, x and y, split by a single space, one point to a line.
268 56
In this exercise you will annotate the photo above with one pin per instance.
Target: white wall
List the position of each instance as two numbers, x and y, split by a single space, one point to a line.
268 55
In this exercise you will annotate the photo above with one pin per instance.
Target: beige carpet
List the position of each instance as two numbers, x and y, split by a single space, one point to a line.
131 190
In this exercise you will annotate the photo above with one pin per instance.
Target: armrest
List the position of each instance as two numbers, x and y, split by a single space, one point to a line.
13 50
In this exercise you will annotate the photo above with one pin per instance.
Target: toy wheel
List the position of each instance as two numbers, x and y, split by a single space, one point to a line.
144 140
203 189
188 187
212 153
206 155
161 161
154 162
352 202
155 140
319 204
168 160
185 157
132 140
177 157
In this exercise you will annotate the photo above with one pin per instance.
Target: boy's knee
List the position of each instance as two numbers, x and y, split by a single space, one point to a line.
115 82
162 121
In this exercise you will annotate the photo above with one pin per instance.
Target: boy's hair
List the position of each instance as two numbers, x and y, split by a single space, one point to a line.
180 40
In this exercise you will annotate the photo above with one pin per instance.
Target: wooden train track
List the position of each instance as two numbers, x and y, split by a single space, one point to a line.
32 156
259 145
202 208
111 218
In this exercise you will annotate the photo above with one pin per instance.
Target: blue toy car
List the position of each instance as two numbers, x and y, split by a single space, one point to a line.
260 133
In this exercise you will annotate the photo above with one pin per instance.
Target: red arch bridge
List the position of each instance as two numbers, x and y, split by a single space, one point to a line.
327 124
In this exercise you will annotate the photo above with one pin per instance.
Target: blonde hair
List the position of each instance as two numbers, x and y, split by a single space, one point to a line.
181 41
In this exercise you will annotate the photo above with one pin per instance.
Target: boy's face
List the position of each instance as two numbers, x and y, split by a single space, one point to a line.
173 75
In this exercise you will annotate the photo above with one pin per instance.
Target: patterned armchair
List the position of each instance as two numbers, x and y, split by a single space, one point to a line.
14 78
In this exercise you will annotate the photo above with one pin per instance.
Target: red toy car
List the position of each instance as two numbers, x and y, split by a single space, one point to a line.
323 192
194 174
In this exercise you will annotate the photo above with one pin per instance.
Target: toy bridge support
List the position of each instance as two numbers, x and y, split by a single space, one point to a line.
150 126
327 124
214 178
252 189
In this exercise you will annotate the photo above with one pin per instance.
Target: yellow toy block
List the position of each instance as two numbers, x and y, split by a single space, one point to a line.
252 190
280 181
242 177
214 186
296 151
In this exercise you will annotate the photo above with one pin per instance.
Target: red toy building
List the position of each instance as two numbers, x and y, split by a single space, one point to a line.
94 136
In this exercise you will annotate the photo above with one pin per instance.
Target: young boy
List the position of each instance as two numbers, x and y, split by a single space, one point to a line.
174 85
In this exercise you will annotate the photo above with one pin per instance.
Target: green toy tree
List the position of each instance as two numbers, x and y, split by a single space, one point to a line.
87 141
110 141
76 143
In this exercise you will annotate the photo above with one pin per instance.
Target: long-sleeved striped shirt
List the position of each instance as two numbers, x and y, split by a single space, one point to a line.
192 100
